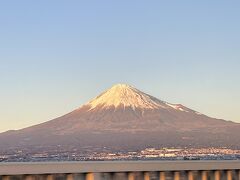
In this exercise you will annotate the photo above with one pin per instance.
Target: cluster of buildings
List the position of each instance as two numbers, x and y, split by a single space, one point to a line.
146 154
171 154
191 153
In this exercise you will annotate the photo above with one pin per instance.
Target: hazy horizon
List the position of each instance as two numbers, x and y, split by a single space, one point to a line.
56 56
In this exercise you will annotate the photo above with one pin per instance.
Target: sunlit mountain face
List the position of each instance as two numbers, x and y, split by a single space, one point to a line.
124 117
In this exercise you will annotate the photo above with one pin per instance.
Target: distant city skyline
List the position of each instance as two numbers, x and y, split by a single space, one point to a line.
56 56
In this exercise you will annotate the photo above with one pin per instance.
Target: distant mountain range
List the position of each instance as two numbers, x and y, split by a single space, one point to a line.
124 118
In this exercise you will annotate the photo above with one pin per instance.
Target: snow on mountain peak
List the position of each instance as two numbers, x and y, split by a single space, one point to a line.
127 96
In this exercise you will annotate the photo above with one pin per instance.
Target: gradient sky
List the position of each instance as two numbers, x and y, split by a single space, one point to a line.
56 55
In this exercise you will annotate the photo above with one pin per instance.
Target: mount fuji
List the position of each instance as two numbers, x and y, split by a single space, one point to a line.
125 118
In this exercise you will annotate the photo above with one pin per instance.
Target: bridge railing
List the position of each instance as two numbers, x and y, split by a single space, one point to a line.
122 170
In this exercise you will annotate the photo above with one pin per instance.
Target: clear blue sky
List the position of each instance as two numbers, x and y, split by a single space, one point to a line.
56 55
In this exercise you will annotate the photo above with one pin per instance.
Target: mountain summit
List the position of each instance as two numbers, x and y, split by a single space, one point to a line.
123 95
124 118
126 96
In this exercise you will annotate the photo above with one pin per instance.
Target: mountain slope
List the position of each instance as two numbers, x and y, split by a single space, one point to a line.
124 117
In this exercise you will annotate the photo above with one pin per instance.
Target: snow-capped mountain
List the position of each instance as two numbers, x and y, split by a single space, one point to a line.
123 117
123 95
